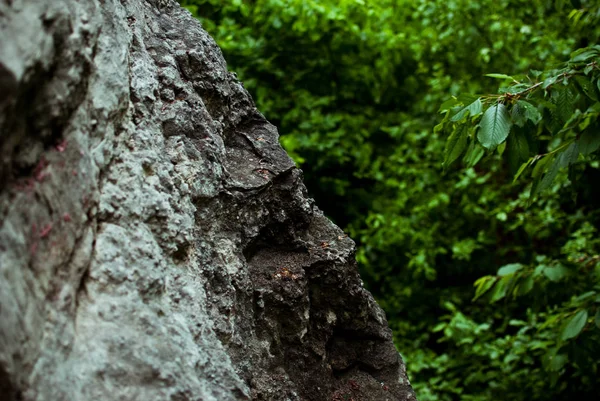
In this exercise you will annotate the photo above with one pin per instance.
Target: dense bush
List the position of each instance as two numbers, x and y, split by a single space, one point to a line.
372 100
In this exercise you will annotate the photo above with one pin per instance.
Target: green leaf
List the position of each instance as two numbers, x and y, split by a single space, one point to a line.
474 154
587 87
543 183
531 112
575 325
569 155
482 286
509 269
501 288
597 319
522 168
585 295
541 165
525 286
589 142
455 145
564 98
549 82
583 55
500 76
555 273
517 150
558 361
473 109
494 126
448 104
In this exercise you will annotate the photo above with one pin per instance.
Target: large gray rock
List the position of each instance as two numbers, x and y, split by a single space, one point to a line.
156 242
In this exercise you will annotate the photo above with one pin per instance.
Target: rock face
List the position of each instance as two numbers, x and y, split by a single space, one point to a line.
156 242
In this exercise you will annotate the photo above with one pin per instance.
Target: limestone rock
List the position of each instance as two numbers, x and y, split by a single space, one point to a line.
156 242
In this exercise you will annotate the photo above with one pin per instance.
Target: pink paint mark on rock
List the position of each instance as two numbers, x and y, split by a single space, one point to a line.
66 217
46 230
62 146
33 248
39 173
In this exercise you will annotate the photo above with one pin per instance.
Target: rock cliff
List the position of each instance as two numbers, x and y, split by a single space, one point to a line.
156 242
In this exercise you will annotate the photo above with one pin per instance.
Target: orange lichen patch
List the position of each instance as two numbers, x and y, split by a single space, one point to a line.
283 273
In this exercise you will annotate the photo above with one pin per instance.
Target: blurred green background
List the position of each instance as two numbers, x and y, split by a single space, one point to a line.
355 88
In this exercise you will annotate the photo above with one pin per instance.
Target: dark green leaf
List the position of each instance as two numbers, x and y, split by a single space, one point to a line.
517 151
558 361
526 285
575 325
474 154
531 112
522 168
597 319
564 98
494 126
542 182
549 176
589 141
455 145
541 165
587 87
569 155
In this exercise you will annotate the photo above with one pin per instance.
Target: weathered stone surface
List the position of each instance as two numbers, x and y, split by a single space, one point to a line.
156 242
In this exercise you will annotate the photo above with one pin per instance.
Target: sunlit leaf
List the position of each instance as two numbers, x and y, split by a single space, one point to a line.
555 273
509 269
500 76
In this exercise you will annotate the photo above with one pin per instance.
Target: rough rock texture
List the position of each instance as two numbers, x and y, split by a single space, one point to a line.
156 242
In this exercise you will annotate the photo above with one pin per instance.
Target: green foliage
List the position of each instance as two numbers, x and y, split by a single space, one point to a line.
568 97
358 89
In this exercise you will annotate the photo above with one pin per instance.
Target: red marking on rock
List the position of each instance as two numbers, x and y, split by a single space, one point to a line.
39 172
62 146
46 230
67 217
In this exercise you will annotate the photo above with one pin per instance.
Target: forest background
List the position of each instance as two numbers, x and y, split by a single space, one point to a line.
457 142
